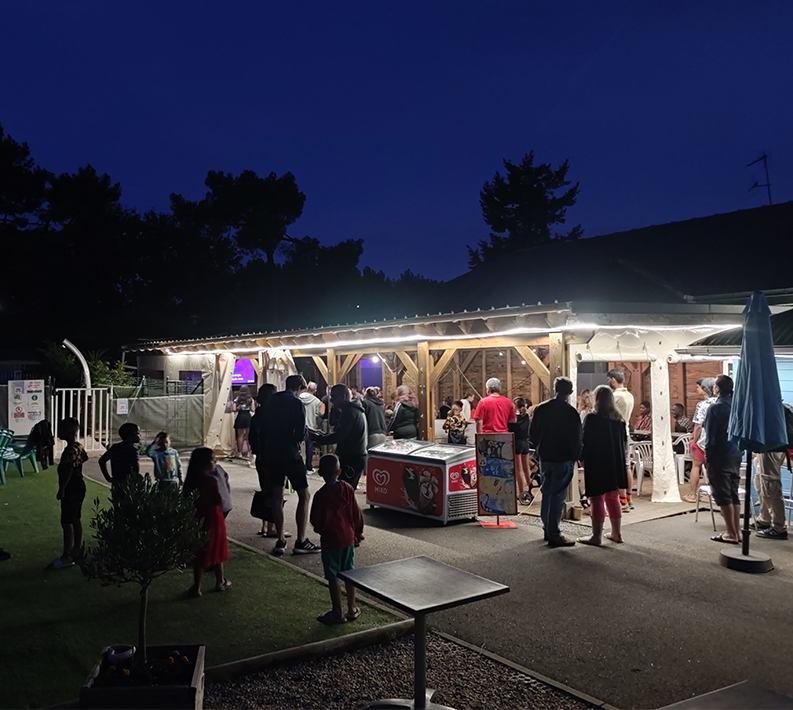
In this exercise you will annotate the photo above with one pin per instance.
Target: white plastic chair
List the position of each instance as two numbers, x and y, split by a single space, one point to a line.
680 459
642 461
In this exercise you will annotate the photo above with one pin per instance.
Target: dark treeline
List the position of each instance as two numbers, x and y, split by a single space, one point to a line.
80 264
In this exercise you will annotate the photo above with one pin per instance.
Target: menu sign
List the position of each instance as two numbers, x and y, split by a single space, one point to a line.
25 405
495 467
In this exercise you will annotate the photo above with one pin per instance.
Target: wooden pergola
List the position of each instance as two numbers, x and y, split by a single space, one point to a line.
422 348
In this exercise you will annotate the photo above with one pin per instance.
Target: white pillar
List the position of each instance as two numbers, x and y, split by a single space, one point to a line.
665 488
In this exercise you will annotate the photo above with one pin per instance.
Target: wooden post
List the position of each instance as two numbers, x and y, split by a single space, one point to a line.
510 393
457 379
426 411
555 358
484 373
333 368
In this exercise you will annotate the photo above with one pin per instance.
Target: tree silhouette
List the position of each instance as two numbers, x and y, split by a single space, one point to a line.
258 210
522 206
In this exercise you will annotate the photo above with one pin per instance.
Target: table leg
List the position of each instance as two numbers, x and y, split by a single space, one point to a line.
420 661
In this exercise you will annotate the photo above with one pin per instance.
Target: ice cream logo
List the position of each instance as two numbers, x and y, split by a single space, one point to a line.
381 479
455 476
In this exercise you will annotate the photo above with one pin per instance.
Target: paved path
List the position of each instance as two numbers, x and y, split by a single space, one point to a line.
642 624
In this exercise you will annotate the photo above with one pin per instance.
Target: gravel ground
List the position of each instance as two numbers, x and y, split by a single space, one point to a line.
463 678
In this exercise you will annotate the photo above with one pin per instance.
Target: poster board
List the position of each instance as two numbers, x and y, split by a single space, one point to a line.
495 468
25 405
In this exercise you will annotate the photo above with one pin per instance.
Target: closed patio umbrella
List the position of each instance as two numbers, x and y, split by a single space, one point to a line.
757 418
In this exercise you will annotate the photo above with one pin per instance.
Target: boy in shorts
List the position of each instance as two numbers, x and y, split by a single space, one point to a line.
337 518
71 492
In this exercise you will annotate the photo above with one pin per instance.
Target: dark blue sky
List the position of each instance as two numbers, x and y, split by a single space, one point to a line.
392 115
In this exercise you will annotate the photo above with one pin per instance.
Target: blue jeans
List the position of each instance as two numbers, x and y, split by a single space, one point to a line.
556 477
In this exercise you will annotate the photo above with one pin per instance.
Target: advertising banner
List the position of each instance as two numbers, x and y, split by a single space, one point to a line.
409 485
25 405
495 467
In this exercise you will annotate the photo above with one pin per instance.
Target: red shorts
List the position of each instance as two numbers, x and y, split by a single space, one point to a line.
697 453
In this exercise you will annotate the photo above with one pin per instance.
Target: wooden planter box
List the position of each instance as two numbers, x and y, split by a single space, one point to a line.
149 696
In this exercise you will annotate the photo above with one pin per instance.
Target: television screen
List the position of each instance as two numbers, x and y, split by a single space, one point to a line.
244 374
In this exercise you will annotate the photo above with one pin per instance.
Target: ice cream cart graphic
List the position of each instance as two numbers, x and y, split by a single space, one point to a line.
435 481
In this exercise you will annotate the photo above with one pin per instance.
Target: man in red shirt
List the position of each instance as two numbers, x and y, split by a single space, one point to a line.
495 411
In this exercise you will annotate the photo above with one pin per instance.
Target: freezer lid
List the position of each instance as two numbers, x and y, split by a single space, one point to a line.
400 447
446 453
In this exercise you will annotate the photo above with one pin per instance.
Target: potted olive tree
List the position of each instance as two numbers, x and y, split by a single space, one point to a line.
148 530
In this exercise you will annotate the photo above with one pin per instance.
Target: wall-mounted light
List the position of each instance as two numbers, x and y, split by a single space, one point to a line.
375 359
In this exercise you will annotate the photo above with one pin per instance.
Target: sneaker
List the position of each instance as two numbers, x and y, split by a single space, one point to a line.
630 505
772 534
304 548
561 541
626 508
280 546
759 526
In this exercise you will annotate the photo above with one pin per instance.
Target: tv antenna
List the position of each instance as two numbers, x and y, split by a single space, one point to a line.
767 184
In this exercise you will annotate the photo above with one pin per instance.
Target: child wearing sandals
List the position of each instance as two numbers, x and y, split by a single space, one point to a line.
337 518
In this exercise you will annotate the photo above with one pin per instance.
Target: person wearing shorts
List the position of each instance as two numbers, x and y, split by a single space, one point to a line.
71 492
704 390
724 461
336 516
283 429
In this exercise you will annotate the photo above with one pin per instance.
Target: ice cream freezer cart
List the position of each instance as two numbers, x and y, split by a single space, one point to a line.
436 481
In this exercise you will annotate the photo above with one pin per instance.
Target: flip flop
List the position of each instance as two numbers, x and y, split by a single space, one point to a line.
329 618
689 498
613 539
351 616
720 538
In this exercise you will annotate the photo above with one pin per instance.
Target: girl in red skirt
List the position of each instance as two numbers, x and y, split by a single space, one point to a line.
201 477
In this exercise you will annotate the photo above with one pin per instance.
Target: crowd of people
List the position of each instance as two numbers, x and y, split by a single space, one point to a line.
283 428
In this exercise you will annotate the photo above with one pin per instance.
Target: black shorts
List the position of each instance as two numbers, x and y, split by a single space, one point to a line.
243 420
724 478
72 509
522 447
294 471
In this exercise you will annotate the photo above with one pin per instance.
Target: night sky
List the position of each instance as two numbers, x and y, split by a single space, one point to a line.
392 115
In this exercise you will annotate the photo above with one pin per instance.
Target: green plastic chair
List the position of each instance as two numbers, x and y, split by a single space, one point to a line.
5 439
17 453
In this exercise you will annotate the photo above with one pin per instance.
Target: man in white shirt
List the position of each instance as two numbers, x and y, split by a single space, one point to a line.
623 401
315 409
467 401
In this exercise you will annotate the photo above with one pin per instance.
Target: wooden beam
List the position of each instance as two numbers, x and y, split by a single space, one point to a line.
333 368
555 358
410 366
468 360
534 363
457 379
441 365
426 411
349 362
322 367
470 344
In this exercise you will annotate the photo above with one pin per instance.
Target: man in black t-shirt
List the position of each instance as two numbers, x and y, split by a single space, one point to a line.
284 429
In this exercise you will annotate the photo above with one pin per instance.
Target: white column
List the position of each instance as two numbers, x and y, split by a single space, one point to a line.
665 488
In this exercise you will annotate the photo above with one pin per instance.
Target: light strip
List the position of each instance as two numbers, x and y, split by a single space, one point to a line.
472 336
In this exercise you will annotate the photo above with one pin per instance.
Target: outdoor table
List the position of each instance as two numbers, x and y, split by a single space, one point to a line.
420 586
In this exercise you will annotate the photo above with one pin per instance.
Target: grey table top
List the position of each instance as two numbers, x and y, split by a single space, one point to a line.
421 585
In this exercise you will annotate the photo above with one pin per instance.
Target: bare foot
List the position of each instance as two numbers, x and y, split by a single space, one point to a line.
589 540
613 538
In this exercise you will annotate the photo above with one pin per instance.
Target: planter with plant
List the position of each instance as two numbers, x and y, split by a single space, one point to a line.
147 531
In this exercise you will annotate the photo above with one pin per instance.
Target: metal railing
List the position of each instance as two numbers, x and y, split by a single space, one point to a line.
91 407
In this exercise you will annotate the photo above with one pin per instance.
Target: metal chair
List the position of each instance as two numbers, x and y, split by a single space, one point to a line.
642 455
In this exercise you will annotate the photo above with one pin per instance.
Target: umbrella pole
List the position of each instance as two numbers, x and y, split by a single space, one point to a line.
747 502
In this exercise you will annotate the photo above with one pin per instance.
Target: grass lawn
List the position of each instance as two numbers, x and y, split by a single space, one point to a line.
54 623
